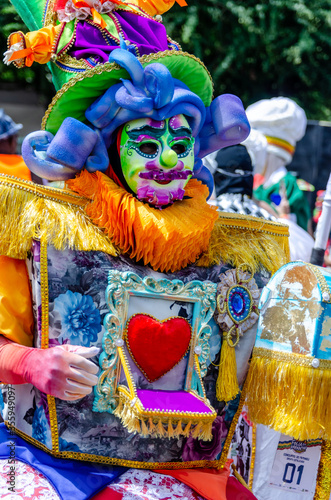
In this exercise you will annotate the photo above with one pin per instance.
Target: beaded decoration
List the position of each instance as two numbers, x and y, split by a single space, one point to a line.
237 311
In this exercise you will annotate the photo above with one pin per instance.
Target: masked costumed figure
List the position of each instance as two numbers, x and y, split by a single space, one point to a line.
126 338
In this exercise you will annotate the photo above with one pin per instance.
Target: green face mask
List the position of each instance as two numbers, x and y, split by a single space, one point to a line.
157 158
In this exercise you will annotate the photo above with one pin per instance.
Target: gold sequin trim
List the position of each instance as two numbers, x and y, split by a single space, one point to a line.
293 358
254 223
45 337
53 194
323 483
252 464
44 294
72 455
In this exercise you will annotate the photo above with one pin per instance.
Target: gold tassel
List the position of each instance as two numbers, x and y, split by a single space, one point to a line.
187 430
170 429
160 429
144 428
179 429
285 392
206 434
227 384
152 428
197 430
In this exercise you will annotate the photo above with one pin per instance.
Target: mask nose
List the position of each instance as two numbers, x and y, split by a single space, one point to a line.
169 158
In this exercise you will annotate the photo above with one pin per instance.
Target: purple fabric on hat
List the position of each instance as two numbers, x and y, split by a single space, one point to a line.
172 401
90 43
146 34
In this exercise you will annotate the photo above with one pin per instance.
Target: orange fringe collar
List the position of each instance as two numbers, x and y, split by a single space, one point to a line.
168 239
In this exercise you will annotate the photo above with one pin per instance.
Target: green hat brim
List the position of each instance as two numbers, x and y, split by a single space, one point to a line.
82 90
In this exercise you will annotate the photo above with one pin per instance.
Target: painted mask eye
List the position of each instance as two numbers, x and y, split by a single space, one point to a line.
179 148
148 148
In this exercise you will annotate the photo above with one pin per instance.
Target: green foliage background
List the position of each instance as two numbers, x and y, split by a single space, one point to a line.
254 49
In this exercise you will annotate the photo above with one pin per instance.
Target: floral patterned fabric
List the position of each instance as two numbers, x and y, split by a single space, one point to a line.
77 283
133 485
29 483
147 485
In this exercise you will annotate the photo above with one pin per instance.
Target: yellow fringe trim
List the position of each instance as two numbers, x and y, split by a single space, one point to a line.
239 239
29 211
168 426
168 239
227 383
286 393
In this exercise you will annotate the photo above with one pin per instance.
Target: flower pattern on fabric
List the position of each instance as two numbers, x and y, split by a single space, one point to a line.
80 318
30 484
196 449
147 485
40 427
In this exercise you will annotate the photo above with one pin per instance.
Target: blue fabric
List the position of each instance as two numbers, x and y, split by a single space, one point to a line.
70 478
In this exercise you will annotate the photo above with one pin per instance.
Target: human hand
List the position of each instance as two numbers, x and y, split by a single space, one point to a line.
64 371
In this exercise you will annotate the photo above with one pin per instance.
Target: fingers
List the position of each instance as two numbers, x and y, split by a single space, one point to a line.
83 364
82 377
86 352
71 396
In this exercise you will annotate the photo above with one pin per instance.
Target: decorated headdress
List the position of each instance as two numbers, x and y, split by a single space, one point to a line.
104 87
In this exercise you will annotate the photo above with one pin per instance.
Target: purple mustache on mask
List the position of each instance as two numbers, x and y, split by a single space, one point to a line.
163 176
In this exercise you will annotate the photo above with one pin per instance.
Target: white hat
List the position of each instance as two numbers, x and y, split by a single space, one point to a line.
256 145
282 121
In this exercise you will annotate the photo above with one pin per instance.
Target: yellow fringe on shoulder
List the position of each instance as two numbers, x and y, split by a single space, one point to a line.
167 239
285 392
238 239
27 213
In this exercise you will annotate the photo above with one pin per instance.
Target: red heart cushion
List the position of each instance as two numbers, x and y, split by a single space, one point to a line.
157 346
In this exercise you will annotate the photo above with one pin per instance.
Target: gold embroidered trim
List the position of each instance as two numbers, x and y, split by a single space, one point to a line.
49 12
49 193
293 358
323 483
254 223
325 290
72 455
72 64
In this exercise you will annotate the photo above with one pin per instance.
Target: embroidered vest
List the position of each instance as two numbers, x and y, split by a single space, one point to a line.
155 404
